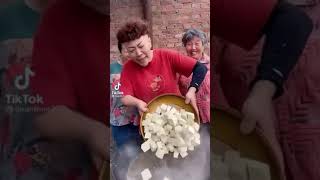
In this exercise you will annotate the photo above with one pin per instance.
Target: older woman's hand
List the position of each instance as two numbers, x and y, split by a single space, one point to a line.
98 142
258 108
191 99
258 112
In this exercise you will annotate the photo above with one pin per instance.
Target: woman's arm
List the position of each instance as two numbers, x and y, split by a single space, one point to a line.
63 124
129 100
198 74
287 32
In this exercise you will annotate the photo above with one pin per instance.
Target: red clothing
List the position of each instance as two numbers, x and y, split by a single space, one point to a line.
241 22
203 95
70 59
158 77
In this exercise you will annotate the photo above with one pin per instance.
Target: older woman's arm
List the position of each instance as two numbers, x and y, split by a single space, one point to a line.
199 73
287 32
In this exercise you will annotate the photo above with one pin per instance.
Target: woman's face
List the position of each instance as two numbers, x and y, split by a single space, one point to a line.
195 48
139 50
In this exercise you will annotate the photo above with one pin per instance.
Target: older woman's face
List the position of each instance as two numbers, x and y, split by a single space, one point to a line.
139 50
195 48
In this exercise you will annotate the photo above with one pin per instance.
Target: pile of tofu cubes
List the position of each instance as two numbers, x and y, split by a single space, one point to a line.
233 167
170 129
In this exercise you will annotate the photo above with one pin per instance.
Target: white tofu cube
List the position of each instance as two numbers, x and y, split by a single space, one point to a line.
172 134
220 170
148 115
180 141
230 156
161 132
178 128
166 132
158 110
197 136
164 139
168 108
160 144
174 121
257 170
153 146
197 141
146 129
173 110
176 154
190 116
166 116
163 107
184 116
183 154
165 150
159 154
182 121
191 148
145 146
168 127
158 121
196 126
171 140
146 174
170 147
188 143
191 138
183 149
238 170
191 130
166 178
155 138
152 127
144 123
178 115
147 135
170 115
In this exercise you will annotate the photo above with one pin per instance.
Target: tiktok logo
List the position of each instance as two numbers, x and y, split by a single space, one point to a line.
117 86
22 81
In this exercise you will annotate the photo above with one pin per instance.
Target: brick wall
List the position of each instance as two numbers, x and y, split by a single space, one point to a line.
120 11
170 19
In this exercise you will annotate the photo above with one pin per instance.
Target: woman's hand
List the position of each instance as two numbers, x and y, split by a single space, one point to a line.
191 99
97 161
258 109
142 106
129 100
258 112
98 141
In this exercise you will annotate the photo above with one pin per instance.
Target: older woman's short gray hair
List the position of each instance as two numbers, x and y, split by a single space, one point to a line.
191 33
